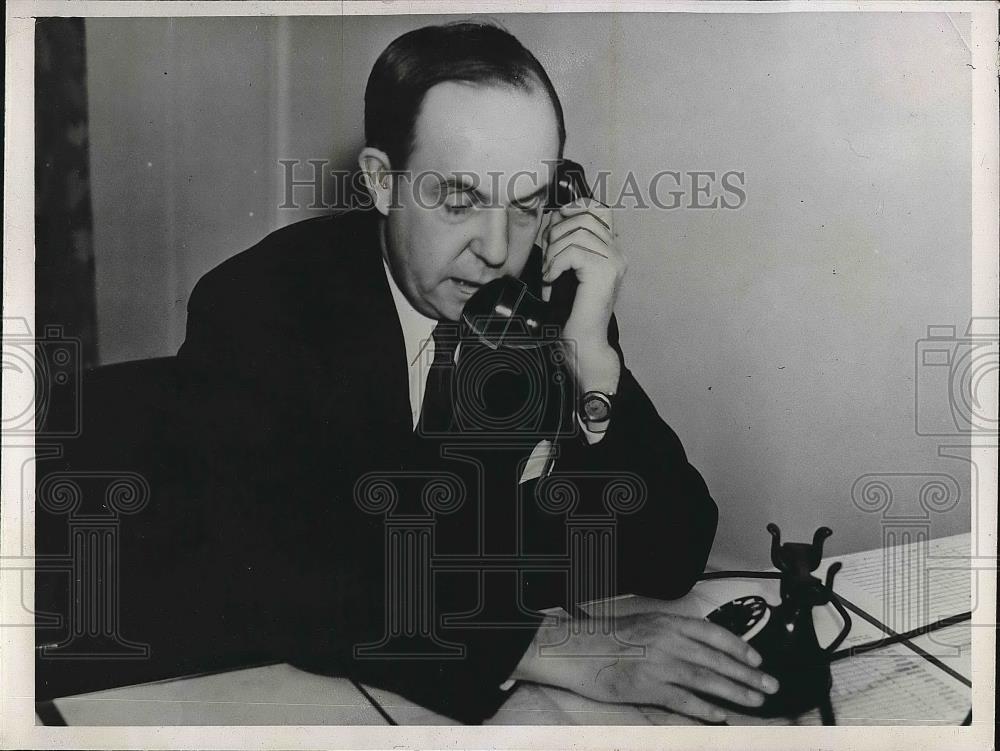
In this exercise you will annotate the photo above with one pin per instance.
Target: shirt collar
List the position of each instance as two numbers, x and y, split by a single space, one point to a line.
416 326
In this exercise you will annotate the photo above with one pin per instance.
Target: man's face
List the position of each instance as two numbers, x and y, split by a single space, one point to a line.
471 206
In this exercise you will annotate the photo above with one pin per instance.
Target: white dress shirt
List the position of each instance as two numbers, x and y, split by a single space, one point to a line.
418 341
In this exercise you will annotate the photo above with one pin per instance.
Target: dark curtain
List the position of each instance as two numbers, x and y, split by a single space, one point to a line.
64 257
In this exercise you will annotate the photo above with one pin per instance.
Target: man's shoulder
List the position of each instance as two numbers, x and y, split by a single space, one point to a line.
303 245
311 257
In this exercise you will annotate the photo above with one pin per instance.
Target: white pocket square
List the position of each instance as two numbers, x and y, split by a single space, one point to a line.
537 462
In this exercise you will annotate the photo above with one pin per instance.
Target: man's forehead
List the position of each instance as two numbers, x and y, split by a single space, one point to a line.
497 134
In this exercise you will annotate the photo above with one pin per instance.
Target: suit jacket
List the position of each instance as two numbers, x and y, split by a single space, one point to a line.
317 500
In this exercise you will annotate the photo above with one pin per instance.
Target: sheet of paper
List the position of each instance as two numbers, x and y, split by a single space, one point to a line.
909 585
895 686
951 645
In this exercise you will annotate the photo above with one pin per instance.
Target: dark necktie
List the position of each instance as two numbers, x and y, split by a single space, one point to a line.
437 410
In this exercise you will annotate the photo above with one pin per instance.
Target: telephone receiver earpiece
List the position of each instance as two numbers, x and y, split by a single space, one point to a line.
504 313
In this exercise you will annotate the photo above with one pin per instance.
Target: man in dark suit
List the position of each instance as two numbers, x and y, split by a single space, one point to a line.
354 520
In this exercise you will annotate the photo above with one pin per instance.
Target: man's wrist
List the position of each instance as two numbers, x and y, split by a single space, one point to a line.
532 666
573 655
596 367
592 436
594 412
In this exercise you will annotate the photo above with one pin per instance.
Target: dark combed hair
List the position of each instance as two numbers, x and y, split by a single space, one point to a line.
463 51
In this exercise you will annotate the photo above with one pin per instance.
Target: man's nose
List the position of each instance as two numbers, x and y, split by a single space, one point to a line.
492 244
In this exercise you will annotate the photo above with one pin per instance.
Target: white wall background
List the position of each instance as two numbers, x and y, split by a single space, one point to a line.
777 340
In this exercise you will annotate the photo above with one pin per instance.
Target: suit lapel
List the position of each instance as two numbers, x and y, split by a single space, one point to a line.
365 339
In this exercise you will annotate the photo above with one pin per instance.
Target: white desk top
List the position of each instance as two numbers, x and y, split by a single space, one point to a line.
268 695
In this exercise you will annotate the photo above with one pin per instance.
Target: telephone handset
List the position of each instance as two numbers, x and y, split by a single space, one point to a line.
504 312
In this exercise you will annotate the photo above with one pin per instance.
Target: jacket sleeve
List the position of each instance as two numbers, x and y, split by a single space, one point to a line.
662 546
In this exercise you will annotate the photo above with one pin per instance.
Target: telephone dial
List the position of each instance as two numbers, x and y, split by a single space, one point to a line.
784 635
504 312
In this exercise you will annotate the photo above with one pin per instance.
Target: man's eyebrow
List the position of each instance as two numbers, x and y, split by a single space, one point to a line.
463 186
467 187
532 196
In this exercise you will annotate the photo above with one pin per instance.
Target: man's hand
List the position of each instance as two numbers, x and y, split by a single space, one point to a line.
682 655
580 240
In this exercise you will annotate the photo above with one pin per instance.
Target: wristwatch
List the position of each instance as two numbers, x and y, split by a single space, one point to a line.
595 410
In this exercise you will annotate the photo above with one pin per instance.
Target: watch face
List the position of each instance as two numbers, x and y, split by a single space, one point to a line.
595 409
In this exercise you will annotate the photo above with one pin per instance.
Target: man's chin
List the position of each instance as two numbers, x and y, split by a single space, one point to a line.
447 310
452 313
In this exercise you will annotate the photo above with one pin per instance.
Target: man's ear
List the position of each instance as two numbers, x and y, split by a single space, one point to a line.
375 167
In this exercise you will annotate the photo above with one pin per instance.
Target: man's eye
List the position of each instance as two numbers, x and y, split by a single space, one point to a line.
528 209
458 204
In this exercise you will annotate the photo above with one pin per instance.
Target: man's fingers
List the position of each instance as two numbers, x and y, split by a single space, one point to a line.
713 659
583 222
581 251
716 636
707 681
571 256
582 248
590 206
682 700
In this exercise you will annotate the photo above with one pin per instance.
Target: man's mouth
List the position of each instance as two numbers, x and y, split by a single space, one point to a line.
466 285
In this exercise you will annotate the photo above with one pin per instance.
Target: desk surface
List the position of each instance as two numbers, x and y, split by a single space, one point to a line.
268 695
891 685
